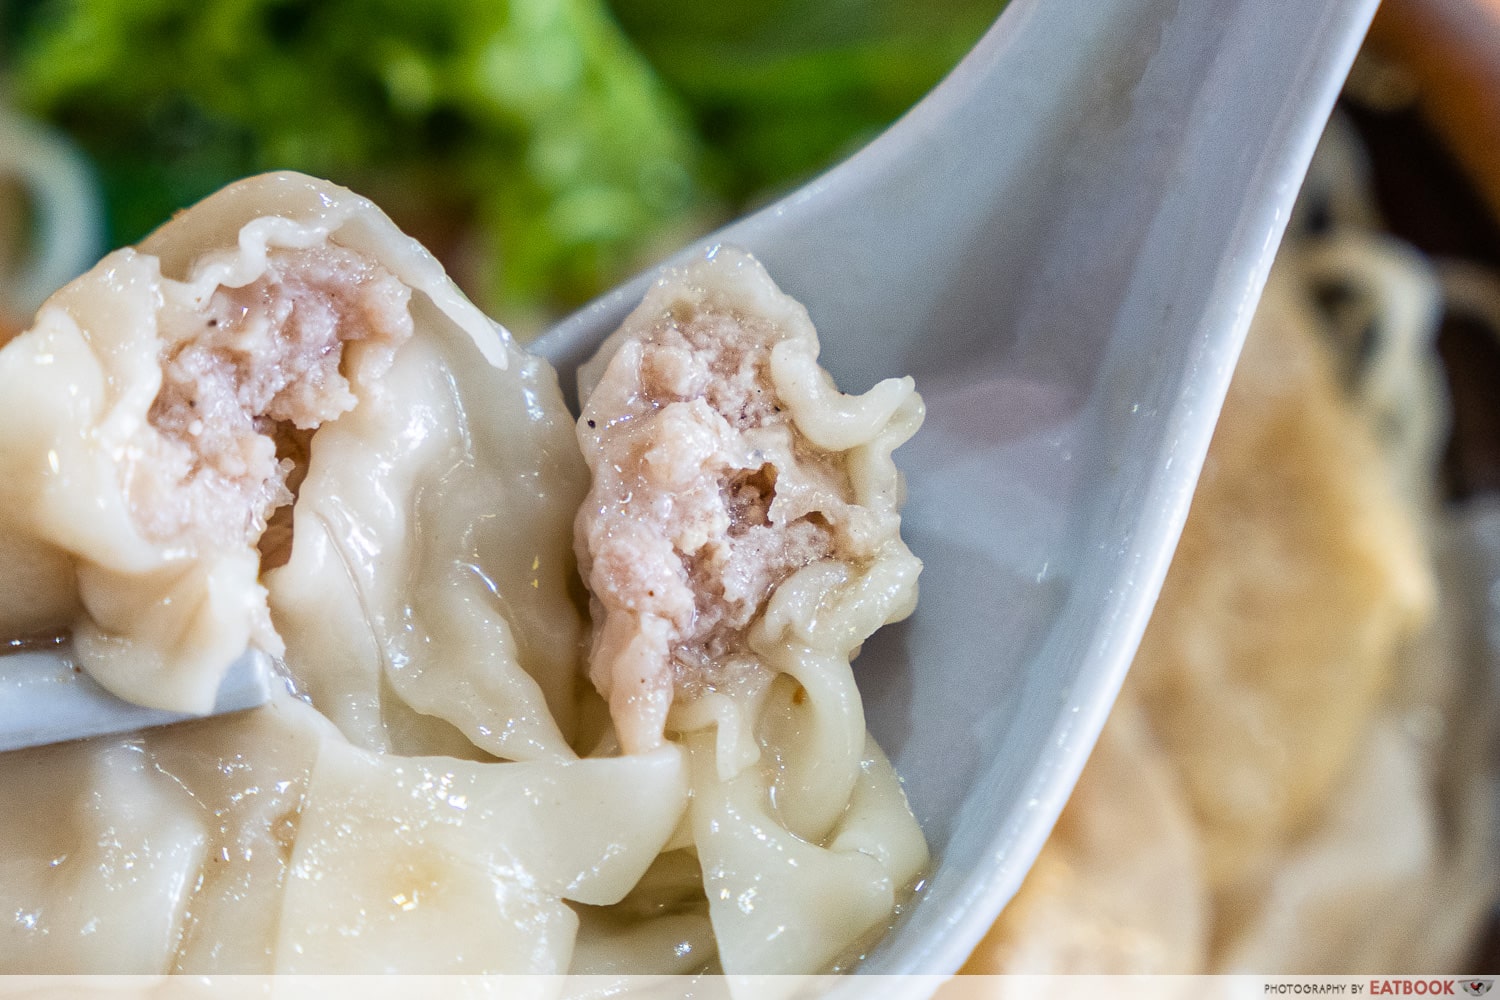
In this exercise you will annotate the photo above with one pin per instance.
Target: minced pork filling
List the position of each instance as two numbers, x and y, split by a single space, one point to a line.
245 380
705 498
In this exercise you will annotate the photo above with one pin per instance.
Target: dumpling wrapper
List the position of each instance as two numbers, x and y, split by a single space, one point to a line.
264 842
98 866
155 853
441 865
782 905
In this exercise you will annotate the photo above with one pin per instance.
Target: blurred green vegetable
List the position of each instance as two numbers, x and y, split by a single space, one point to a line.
532 126
529 142
782 88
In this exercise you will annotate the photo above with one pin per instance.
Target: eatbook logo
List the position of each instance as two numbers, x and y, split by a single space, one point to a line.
1477 987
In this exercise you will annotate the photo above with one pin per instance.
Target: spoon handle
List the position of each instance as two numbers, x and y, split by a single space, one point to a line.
45 697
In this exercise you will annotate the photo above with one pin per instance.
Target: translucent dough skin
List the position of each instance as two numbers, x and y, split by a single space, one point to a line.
436 865
782 905
137 854
264 842
426 603
100 827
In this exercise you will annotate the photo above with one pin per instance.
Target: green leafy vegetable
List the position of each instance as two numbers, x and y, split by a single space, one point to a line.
528 130
782 88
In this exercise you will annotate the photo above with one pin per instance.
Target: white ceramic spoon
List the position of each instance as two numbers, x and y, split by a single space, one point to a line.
1064 243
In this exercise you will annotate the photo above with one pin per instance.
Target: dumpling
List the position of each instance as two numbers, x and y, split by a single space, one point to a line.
741 540
284 340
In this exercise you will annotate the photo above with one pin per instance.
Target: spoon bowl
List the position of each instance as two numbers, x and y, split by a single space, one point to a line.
1064 243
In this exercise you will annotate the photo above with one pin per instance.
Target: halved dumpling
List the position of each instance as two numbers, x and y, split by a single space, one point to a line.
725 465
283 341
741 540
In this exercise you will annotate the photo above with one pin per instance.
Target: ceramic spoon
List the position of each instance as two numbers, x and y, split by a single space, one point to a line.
1064 243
